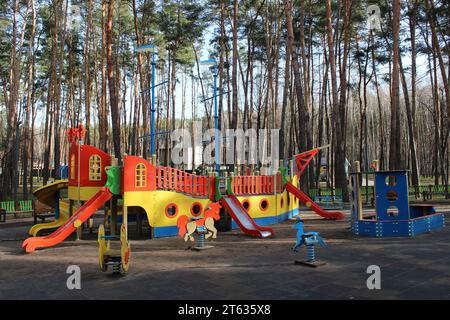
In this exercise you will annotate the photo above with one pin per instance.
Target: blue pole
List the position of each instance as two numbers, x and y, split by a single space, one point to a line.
152 124
57 214
216 121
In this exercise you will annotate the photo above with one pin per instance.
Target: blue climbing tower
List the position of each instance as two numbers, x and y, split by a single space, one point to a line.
394 216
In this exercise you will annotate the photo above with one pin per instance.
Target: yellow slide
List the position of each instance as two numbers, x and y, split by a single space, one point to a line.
46 195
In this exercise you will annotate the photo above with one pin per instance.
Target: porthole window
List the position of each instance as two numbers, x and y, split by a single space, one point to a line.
95 168
392 211
392 195
196 209
171 210
391 181
264 204
246 204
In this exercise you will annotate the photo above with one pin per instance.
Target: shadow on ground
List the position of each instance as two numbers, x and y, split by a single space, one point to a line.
238 267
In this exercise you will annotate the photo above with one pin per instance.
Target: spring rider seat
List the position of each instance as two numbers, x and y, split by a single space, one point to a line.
202 227
119 259
309 239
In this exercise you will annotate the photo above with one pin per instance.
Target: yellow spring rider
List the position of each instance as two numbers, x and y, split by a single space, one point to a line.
119 260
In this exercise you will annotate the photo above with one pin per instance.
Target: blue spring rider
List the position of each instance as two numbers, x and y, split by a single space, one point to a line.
309 239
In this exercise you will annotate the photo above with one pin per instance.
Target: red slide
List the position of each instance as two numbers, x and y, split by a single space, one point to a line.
68 227
242 218
311 204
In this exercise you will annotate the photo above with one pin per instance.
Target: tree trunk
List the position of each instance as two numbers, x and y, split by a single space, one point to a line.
30 87
234 77
395 135
287 68
88 82
412 140
412 29
9 169
303 114
112 84
338 106
102 112
436 49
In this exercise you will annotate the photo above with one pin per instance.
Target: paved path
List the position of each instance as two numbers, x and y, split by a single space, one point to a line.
238 267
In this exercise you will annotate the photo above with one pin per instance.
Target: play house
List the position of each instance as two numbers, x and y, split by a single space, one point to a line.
86 171
394 216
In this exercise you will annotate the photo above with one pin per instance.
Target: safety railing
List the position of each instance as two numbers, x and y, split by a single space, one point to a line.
180 181
242 185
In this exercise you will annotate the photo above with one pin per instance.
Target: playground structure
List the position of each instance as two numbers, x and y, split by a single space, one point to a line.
170 199
50 195
394 216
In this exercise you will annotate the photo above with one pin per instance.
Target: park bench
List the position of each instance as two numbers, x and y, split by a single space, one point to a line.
328 198
415 191
436 190
325 192
42 212
329 201
25 207
42 217
8 207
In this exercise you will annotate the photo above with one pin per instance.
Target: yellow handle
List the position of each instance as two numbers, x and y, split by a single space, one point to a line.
77 223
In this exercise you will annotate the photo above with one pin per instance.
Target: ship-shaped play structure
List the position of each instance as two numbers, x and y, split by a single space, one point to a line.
162 194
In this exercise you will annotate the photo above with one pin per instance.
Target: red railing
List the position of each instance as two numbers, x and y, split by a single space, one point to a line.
279 183
172 179
242 185
168 178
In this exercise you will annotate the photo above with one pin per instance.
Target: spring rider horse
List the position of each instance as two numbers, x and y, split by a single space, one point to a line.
309 239
204 227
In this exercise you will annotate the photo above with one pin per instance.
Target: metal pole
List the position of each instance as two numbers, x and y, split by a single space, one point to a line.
79 229
80 142
216 122
201 240
366 159
57 214
152 124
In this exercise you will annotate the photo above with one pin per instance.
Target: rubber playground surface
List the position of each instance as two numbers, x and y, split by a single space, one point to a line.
238 267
